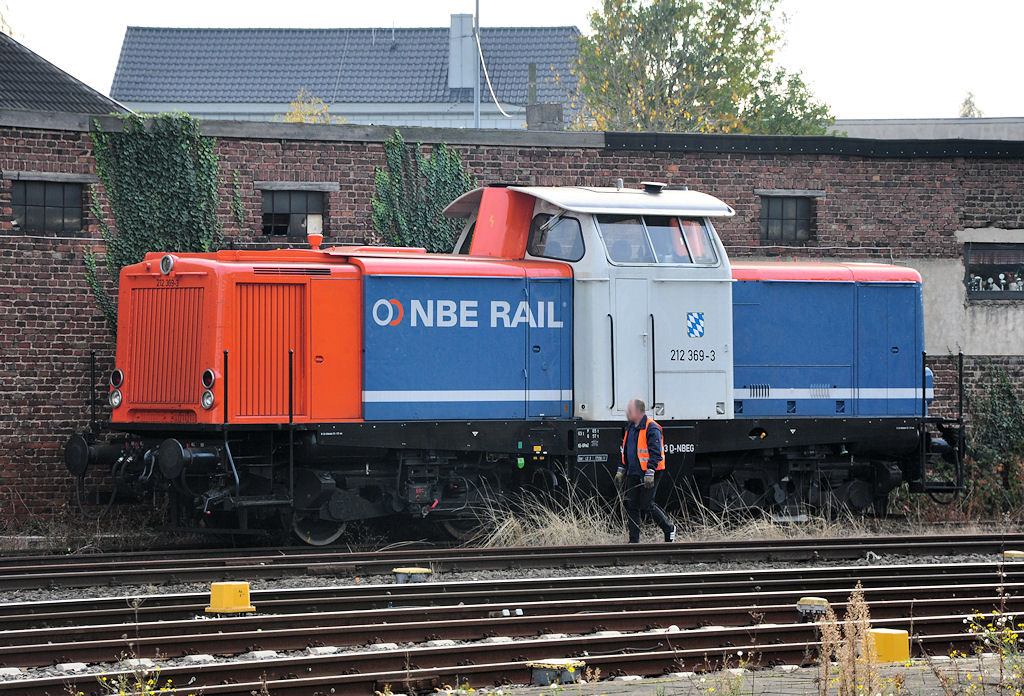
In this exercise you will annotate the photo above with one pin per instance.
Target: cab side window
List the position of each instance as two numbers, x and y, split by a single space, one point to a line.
562 240
625 238
667 239
699 241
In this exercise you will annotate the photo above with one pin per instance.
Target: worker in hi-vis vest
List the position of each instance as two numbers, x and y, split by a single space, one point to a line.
643 465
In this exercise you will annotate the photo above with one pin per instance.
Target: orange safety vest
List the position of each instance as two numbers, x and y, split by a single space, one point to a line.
641 447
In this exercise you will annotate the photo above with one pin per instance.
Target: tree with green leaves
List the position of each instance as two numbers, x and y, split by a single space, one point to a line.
413 189
698 66
968 109
161 178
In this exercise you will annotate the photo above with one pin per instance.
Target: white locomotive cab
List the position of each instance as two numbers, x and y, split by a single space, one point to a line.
652 296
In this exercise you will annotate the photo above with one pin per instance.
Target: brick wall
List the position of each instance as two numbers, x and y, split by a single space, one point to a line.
993 193
979 373
882 208
873 207
49 326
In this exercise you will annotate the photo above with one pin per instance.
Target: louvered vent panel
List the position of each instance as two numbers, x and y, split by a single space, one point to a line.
290 270
166 326
271 321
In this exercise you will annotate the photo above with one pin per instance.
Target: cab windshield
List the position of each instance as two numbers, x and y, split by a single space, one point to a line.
656 239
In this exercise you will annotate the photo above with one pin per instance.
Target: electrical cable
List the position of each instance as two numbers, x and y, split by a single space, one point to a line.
80 488
487 77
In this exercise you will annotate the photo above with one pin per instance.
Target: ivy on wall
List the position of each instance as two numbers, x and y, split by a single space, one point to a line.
237 206
412 190
161 178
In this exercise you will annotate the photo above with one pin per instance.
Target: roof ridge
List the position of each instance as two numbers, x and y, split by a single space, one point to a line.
382 29
47 65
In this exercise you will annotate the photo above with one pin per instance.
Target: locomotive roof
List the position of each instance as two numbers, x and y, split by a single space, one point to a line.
608 200
859 272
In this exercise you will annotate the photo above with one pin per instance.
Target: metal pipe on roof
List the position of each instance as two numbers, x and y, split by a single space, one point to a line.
476 72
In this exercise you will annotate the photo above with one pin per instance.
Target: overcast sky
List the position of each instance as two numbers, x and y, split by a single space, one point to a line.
867 59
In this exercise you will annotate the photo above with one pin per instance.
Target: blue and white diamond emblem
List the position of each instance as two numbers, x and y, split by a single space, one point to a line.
695 324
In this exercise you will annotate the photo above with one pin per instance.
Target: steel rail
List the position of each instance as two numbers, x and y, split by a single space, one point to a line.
19 557
701 648
651 664
710 603
304 631
84 572
376 597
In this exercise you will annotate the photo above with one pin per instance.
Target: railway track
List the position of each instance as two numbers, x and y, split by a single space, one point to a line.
31 572
371 598
356 639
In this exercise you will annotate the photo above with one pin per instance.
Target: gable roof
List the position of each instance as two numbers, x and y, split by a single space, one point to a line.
337 65
32 83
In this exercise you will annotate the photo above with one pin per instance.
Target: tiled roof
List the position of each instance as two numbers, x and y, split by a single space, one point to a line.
29 82
336 65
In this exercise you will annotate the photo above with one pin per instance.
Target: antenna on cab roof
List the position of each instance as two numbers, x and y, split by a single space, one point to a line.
652 186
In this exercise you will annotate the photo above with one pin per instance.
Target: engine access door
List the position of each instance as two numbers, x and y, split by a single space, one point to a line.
888 349
692 337
336 346
549 348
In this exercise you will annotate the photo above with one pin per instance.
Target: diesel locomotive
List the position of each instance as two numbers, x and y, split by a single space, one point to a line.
307 388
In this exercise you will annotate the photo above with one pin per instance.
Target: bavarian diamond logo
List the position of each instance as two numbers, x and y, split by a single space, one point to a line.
695 324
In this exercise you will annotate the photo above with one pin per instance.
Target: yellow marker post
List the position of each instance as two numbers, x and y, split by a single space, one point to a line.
556 671
891 645
812 608
403 575
229 598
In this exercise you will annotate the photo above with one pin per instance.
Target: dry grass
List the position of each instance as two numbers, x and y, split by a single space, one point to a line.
576 518
847 660
122 529
535 520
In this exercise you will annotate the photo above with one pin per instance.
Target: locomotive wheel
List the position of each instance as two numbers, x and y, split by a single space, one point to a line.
315 531
461 529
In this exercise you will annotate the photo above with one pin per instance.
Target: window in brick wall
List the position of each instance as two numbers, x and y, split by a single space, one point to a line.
47 206
290 212
994 271
786 219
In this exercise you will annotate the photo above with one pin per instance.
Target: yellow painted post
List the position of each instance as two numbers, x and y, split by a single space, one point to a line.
891 645
229 598
403 575
812 608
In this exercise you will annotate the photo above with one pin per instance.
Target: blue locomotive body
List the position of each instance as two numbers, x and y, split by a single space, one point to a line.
828 348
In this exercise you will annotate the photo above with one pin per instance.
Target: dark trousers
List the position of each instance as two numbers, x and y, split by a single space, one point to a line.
640 500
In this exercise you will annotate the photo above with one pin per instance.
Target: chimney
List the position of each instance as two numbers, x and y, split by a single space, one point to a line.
461 52
545 116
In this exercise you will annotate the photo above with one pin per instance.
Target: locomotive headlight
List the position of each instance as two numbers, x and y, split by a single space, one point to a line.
208 378
116 379
207 399
166 264
115 398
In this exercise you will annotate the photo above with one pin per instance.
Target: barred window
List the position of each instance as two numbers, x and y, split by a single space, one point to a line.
287 212
47 206
994 271
786 218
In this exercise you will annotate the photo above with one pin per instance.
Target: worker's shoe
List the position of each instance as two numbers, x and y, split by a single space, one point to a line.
670 534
